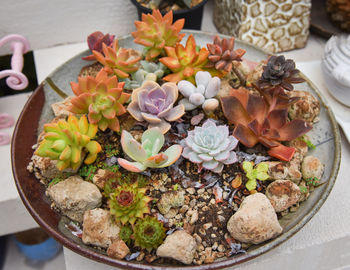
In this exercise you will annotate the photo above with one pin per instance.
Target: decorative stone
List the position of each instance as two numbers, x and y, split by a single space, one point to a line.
99 229
312 167
306 108
74 196
179 246
60 109
271 24
170 199
118 249
277 170
255 221
283 194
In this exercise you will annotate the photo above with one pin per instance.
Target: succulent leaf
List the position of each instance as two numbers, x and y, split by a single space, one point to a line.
154 104
259 172
210 146
102 98
66 140
147 154
156 32
128 202
149 233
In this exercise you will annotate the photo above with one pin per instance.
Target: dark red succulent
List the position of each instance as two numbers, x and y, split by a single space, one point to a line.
263 119
279 72
95 41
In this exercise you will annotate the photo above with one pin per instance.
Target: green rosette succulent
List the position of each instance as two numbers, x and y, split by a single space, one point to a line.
128 202
146 154
148 71
149 233
126 233
253 174
66 141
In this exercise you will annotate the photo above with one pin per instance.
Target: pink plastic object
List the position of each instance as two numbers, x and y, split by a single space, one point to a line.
4 138
16 80
6 120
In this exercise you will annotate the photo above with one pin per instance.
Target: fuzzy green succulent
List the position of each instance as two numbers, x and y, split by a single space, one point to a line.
253 174
67 141
149 233
148 71
125 234
146 154
128 202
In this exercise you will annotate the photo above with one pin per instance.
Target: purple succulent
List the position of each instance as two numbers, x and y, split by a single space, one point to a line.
95 41
155 104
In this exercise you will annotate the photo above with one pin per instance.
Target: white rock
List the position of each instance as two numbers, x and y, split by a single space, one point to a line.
74 196
99 228
312 167
179 246
255 221
118 249
60 108
170 199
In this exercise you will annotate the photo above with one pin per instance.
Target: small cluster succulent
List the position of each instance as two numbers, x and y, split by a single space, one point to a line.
263 119
118 61
126 233
146 155
210 146
185 62
156 32
155 104
222 53
148 71
95 41
259 172
102 98
67 141
207 88
128 202
149 233
280 72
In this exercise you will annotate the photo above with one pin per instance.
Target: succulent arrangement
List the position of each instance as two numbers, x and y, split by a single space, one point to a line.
146 154
207 88
128 202
102 98
171 146
66 142
155 105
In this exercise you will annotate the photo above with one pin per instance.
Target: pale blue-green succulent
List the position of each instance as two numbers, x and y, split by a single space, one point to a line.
146 154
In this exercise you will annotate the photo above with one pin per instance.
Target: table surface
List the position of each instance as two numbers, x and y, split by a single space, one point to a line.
324 242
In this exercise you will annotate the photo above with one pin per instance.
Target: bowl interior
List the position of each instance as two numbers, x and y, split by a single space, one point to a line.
37 111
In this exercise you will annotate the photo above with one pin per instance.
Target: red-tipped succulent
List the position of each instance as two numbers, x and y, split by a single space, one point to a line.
118 61
222 53
102 98
156 32
185 62
95 41
257 121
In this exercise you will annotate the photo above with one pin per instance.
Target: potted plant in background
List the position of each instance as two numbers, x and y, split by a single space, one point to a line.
190 10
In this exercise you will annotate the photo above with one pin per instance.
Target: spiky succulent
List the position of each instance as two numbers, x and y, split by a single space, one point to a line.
279 72
259 172
128 202
67 141
118 61
263 119
125 234
156 32
222 53
149 233
207 88
102 98
95 41
184 62
148 71
155 104
210 146
146 154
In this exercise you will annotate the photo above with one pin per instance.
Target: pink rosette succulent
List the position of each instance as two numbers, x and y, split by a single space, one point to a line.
155 104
